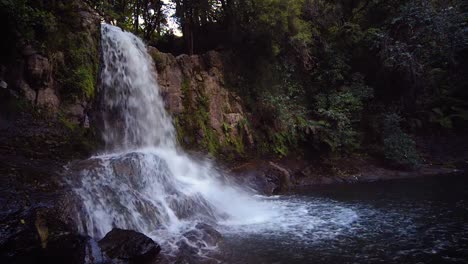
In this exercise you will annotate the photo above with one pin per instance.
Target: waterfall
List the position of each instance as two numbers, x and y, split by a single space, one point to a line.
142 181
133 111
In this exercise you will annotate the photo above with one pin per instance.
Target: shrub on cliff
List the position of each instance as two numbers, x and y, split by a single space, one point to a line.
341 109
24 19
399 148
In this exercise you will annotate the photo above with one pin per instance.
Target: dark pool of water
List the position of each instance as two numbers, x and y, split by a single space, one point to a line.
422 220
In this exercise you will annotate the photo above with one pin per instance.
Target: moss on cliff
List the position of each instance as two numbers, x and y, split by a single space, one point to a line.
77 73
234 142
193 125
65 34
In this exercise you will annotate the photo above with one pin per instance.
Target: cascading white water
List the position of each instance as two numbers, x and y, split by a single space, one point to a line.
133 111
143 182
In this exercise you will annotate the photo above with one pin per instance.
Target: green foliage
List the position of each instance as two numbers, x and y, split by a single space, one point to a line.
32 23
232 141
421 47
340 112
226 128
399 148
51 28
67 123
286 109
445 119
78 72
278 19
152 15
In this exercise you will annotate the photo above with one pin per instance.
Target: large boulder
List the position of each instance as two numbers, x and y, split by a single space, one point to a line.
265 177
128 246
279 176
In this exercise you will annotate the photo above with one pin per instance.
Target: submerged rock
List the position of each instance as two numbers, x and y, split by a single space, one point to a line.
195 245
128 246
203 235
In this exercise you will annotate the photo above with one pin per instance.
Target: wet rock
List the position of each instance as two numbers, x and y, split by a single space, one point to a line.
170 79
38 235
131 167
192 248
265 177
204 235
127 246
258 181
280 176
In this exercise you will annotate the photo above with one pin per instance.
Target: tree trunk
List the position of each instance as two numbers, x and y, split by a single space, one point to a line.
136 14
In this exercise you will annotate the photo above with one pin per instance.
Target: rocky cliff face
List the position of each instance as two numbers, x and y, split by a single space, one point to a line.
55 68
207 115
47 79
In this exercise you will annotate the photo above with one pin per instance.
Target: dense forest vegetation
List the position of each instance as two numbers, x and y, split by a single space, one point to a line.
339 77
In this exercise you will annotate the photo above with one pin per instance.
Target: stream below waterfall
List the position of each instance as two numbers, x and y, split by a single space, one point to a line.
401 221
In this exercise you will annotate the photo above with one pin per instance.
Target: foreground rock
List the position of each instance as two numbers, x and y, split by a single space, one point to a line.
36 222
127 246
38 235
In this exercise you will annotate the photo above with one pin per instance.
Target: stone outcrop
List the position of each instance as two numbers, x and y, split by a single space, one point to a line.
39 70
128 246
280 176
37 83
265 177
208 116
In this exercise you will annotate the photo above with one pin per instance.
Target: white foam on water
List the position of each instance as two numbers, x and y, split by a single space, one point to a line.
297 218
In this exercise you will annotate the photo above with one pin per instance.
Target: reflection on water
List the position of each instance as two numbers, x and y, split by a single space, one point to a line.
404 221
